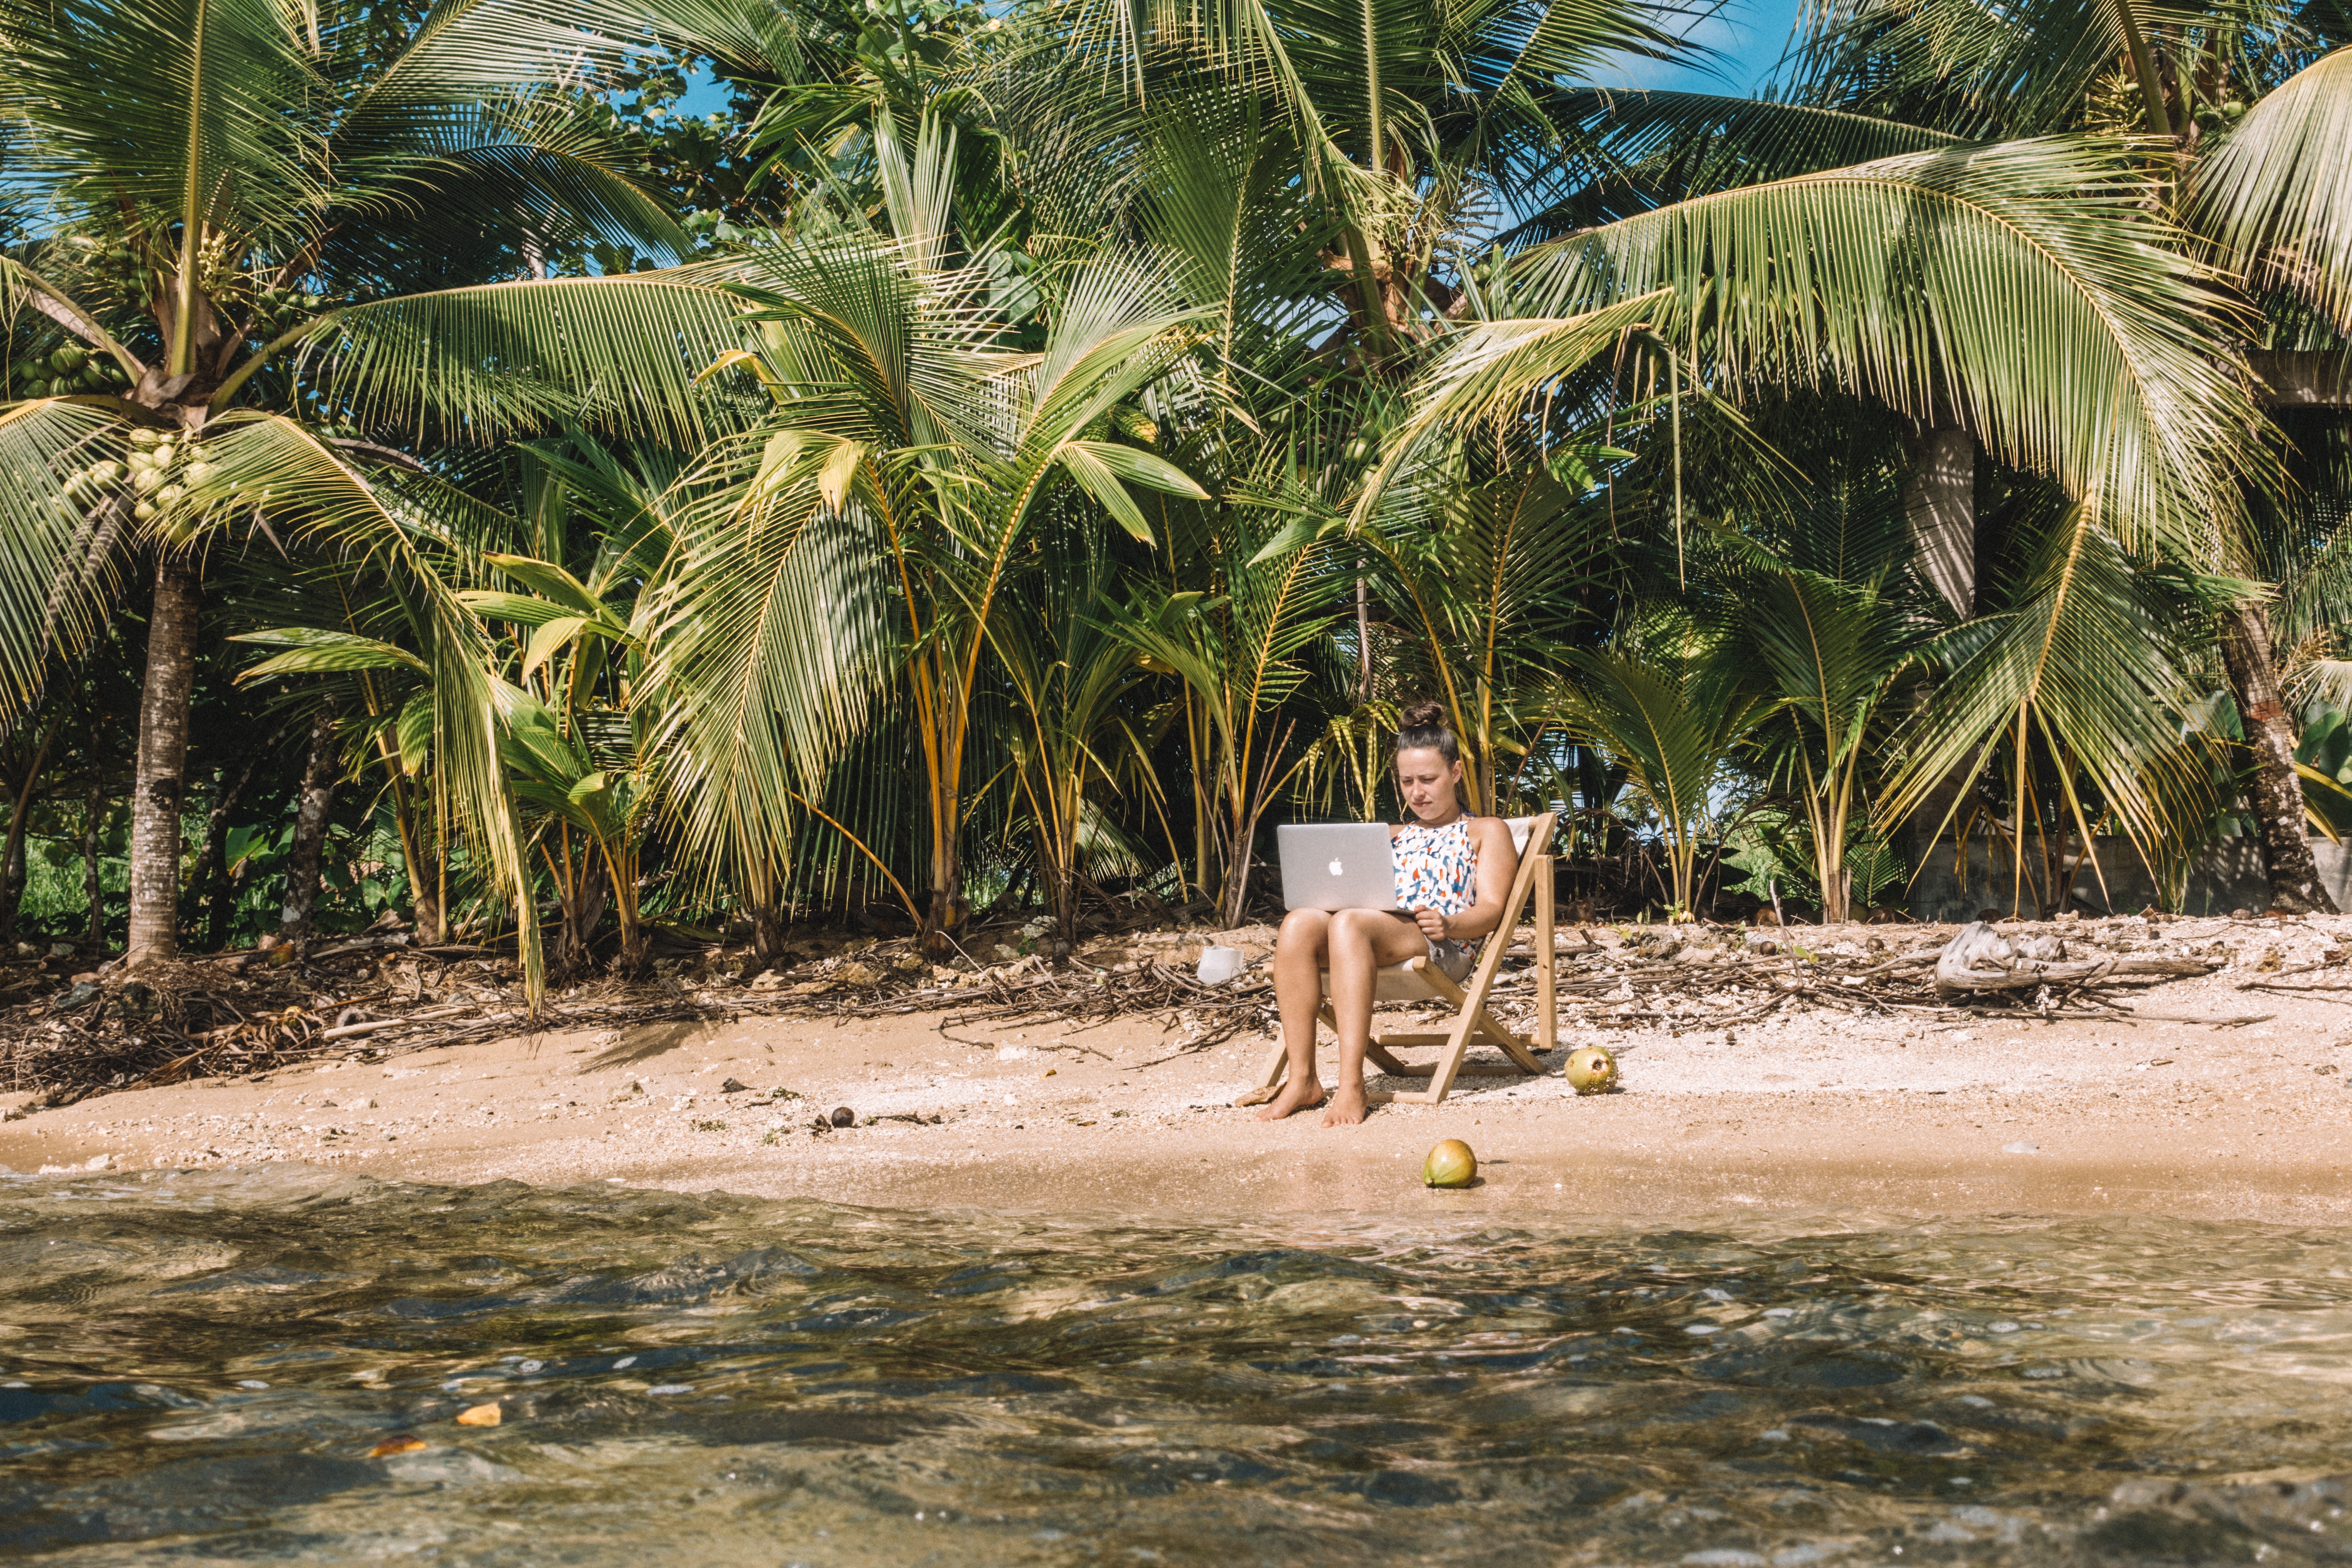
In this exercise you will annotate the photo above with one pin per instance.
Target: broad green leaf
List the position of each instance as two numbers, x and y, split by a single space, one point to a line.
1141 467
550 638
310 652
415 733
1099 479
552 582
491 603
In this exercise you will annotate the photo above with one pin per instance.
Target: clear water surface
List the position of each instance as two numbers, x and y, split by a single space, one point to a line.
267 1365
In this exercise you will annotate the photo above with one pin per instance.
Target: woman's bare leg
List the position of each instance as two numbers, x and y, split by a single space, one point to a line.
1298 950
1361 940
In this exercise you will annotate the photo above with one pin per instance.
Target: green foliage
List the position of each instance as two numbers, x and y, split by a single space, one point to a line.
1027 450
1670 715
2324 760
1775 848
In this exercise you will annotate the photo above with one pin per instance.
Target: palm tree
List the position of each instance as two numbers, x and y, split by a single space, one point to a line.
1408 126
902 423
250 211
1236 647
1907 280
1833 650
2261 192
2275 199
1485 561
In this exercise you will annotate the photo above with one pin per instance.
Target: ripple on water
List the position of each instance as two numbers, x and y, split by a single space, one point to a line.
270 1364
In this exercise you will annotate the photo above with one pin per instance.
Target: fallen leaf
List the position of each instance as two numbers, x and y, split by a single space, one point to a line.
1049 1072
479 1416
404 1444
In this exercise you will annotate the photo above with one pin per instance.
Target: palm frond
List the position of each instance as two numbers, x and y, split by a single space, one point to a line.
1220 202
617 353
2277 197
530 161
463 49
62 518
269 462
2091 657
2021 289
172 105
316 650
1488 375
1672 145
771 646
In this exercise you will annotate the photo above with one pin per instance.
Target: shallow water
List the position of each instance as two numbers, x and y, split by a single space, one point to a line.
196 1368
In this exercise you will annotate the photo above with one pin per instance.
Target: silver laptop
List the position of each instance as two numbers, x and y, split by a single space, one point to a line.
1335 866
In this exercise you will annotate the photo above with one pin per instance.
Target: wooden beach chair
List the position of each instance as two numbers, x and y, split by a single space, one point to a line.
1418 980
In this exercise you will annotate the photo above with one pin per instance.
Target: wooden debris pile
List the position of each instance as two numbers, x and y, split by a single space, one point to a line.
1699 978
108 1029
1643 977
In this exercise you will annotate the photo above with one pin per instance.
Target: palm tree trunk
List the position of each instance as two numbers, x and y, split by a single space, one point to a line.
210 871
220 906
12 859
156 799
1069 796
937 713
1837 882
318 799
12 882
424 898
1939 502
1363 636
93 929
768 924
621 866
946 870
2277 794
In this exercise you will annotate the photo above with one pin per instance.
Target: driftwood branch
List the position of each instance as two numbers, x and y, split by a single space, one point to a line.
1981 959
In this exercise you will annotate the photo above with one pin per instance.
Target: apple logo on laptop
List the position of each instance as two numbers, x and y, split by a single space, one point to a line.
1337 870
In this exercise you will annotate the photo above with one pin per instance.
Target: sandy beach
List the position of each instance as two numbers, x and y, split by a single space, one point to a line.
1894 1114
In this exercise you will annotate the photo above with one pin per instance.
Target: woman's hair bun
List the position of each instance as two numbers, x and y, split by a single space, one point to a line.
1424 724
1423 715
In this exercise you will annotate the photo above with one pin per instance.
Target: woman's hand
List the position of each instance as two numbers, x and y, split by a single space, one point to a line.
1431 924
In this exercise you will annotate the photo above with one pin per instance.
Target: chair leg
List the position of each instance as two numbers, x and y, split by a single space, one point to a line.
1269 1076
1546 961
1449 1060
1374 1051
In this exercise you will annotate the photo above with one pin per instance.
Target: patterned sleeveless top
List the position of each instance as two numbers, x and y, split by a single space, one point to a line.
1436 867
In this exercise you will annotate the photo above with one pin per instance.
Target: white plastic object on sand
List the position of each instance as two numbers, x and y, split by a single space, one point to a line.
1219 965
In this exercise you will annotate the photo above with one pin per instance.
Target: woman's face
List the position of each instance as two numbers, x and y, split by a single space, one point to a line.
1426 780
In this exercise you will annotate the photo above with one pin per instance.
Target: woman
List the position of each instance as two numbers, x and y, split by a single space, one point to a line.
1453 873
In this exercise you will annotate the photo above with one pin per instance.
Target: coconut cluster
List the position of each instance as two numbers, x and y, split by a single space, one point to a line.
65 373
161 468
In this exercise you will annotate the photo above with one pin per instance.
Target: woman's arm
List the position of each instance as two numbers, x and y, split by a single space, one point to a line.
1498 862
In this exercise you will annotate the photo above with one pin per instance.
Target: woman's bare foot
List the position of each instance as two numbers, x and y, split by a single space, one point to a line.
1347 1107
1297 1094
